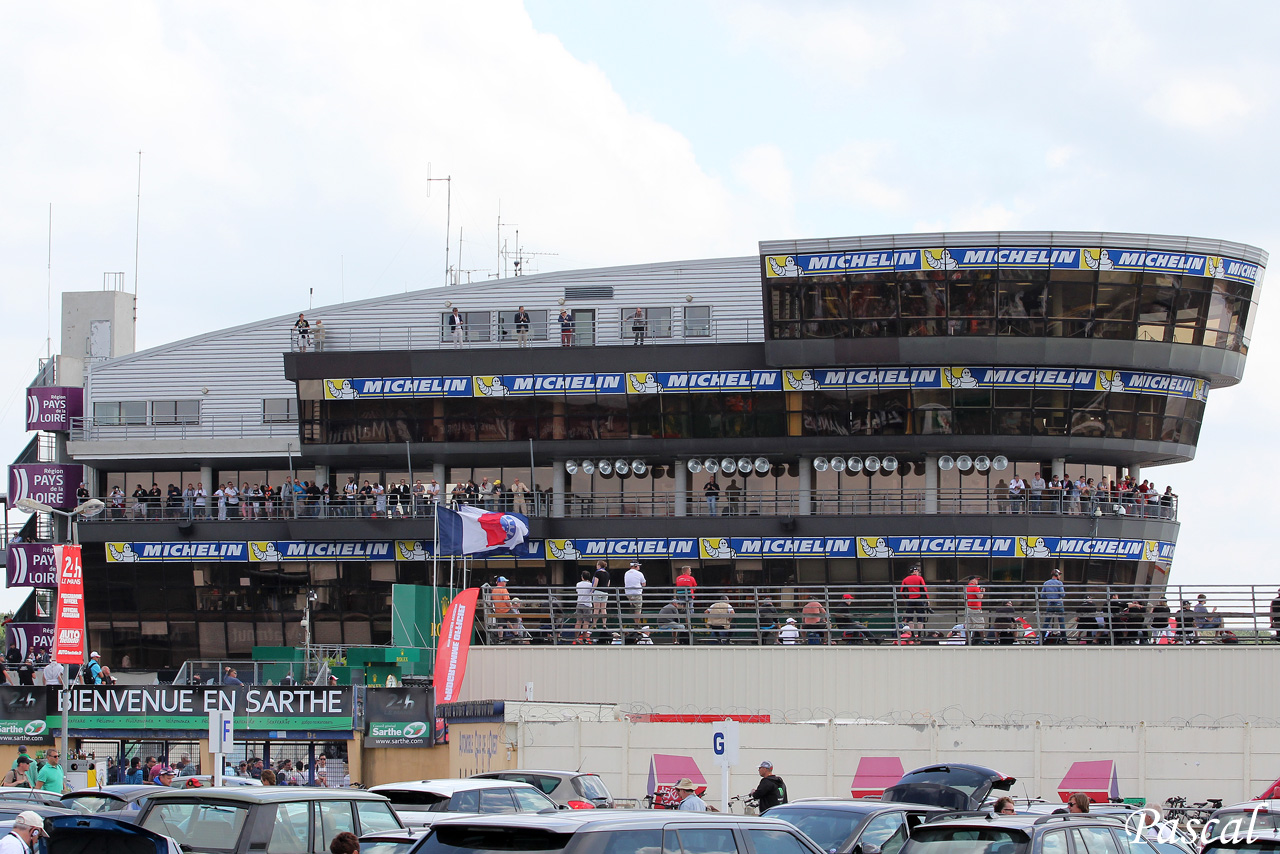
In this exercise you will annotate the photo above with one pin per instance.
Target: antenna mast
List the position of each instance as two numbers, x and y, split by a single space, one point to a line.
448 212
137 230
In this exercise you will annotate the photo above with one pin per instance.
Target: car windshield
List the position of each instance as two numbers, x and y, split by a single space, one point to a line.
827 827
1225 821
201 826
966 840
387 846
956 778
590 786
478 840
415 801
92 803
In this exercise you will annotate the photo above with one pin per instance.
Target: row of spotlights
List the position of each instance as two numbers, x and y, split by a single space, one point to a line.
729 465
964 462
856 464
636 467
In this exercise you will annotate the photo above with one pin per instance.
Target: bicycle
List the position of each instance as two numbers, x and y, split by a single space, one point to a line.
748 804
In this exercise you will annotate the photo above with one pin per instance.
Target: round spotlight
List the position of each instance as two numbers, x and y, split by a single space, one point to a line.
694 466
622 466
728 465
946 463
820 464
571 466
605 467
871 465
639 468
855 464
744 465
982 463
1000 463
711 466
963 462
588 467
837 463
762 465
889 464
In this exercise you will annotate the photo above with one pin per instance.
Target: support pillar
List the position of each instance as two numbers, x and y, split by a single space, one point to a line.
931 484
206 482
804 501
322 475
682 488
1136 473
1058 467
558 481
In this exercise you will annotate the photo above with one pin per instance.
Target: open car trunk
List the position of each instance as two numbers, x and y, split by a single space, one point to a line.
92 834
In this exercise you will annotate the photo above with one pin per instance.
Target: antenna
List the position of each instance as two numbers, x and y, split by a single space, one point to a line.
342 276
137 231
48 296
519 262
448 212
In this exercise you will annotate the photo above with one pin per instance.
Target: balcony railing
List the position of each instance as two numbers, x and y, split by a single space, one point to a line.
117 429
1011 614
600 505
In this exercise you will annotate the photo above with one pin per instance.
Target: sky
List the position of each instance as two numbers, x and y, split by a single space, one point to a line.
291 155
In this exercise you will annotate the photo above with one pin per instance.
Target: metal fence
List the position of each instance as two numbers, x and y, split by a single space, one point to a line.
1010 614
118 429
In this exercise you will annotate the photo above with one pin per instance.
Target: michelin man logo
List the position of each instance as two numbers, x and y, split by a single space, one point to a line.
1150 550
1033 547
962 378
800 380
1215 267
340 391
939 259
786 268
410 550
265 553
1097 259
122 553
563 550
874 547
493 388
643 383
716 548
1110 381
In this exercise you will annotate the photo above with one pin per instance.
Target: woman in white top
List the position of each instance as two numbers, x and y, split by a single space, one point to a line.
117 502
201 501
233 499
221 496
380 499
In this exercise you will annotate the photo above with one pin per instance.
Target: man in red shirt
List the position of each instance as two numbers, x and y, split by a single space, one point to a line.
687 583
973 619
917 599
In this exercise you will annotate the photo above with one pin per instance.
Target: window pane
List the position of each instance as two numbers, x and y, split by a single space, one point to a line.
375 817
697 321
291 832
133 412
709 840
775 842
335 818
496 801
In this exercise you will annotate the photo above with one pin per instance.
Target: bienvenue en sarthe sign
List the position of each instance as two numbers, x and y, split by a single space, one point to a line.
188 708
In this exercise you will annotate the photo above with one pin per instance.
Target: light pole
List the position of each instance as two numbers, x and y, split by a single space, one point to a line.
306 630
92 507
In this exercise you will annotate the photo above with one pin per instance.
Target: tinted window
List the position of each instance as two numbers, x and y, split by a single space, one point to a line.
531 800
1054 843
967 840
465 802
478 840
827 827
1094 840
887 831
206 827
496 801
290 834
631 842
590 786
546 783
775 842
705 840
376 817
335 817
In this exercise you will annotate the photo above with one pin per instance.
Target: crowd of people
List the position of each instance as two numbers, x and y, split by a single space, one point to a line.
1064 495
38 668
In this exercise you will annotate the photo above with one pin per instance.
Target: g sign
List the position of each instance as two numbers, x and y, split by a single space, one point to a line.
724 743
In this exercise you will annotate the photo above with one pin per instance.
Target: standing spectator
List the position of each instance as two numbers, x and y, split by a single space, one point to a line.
154 497
233 500
600 597
733 498
815 620
518 493
973 619
720 620
231 678
712 491
1166 503
50 778
1078 489
522 327
457 328
379 500
189 501
304 333
53 673
486 493
27 669
95 669
174 501
319 332
566 328
686 584
17 776
1017 492
916 594
117 502
584 607
1275 619
1037 493
1003 623
433 491
419 498
639 326
633 586
789 635
688 794
772 791
1053 596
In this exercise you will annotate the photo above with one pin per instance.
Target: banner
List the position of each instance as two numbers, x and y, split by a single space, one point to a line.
455 642
281 551
398 717
29 637
23 712
31 565
49 483
169 707
68 647
473 530
52 407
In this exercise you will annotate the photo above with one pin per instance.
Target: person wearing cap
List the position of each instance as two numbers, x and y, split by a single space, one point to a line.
27 828
22 753
688 794
17 776
95 669
633 584
644 640
500 597
789 634
163 776
50 778
1054 596
772 790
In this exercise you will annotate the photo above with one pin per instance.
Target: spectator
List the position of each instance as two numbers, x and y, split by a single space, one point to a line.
268 777
720 620
22 753
600 597
50 778
639 326
1186 623
633 587
789 635
1078 803
319 333
27 669
163 776
345 843
230 677
671 619
135 775
1017 492
688 794
1053 596
917 599
1001 491
771 791
1004 623
566 328
815 621
733 498
685 586
1207 622
303 329
518 493
583 607
457 328
522 327
95 669
1004 806
17 776
1275 618
1037 486
712 491
973 619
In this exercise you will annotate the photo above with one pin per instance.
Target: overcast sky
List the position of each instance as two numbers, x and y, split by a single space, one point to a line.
287 147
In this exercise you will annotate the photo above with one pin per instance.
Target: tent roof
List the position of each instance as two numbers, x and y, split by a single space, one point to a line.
666 770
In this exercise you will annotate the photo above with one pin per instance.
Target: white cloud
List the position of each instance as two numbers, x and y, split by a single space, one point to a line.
1200 104
854 175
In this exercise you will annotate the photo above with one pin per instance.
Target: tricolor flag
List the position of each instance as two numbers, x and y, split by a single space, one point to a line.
472 530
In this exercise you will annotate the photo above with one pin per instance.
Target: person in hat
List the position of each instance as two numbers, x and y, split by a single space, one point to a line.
688 794
633 584
27 828
789 634
17 776
163 777
500 597
644 640
772 790
95 669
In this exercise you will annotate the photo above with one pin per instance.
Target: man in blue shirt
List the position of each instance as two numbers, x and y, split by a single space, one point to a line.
1053 597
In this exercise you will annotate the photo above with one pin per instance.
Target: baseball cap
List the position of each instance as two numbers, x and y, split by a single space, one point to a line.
791 619
29 818
847 596
163 770
635 562
767 764
502 578
94 655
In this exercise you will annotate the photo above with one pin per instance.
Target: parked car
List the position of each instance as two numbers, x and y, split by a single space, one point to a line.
576 790
124 798
270 819
846 825
987 833
78 833
421 802
615 832
207 780
391 841
954 787
1258 815
34 796
1266 841
9 810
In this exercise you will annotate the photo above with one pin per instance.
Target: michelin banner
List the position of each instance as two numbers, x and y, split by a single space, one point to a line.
285 551
1021 257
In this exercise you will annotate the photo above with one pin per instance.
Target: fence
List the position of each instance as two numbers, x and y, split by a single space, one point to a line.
122 428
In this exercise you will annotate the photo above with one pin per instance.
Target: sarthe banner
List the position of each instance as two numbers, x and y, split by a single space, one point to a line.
455 643
398 717
22 715
172 707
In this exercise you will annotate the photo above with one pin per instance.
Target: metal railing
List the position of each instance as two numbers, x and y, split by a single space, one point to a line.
1011 614
585 333
113 429
593 505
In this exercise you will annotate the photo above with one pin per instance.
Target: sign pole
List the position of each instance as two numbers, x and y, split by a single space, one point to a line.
724 746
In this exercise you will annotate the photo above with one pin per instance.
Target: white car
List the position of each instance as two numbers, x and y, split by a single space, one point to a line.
421 802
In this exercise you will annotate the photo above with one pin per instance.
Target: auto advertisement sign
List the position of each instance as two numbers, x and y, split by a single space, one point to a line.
31 565
68 633
167 707
29 637
52 407
22 715
49 483
398 717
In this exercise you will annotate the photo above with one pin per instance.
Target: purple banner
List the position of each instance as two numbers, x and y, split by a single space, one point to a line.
31 565
53 407
48 483
26 637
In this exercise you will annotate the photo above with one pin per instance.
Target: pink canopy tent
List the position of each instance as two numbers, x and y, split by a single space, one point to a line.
1096 778
874 775
665 770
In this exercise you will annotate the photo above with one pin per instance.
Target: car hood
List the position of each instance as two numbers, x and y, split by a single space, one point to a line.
97 834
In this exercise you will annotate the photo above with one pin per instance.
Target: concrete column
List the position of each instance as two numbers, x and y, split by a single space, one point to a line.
438 472
682 488
93 483
558 481
206 481
805 499
322 475
1136 472
1059 467
931 484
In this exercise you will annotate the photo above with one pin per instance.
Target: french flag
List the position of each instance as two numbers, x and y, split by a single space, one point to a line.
472 530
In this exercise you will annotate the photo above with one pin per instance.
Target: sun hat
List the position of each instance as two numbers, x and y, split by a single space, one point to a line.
685 785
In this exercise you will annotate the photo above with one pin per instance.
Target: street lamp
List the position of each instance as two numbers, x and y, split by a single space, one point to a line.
312 598
92 507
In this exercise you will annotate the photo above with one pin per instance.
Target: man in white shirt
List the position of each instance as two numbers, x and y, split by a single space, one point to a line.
789 634
27 828
1017 488
633 584
52 673
689 800
583 607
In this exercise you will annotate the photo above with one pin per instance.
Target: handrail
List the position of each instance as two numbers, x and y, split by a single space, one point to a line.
114 429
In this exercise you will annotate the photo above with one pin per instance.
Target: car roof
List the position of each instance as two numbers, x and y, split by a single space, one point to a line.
449 786
1268 804
262 794
1261 834
573 821
983 818
120 791
862 804
546 771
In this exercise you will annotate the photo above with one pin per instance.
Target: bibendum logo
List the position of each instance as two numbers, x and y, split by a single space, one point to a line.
339 390
265 552
1215 268
959 378
1097 259
715 548
411 550
1031 547
122 553
643 383
873 547
799 380
1151 550
563 550
938 259
491 387
1110 381
782 265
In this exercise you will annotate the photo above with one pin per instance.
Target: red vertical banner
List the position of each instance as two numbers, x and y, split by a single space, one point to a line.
455 643
68 627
